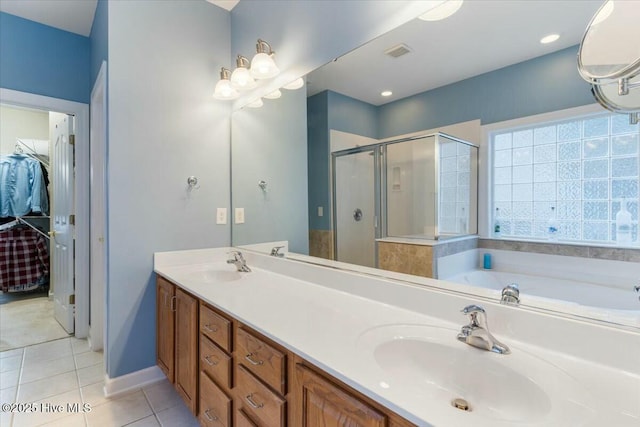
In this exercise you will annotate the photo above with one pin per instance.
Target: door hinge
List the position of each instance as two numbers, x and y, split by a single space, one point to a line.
72 139
72 299
72 219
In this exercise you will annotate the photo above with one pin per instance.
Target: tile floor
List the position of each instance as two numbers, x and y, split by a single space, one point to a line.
61 373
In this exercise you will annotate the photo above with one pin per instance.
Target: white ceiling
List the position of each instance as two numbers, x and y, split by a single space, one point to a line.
75 16
482 36
225 4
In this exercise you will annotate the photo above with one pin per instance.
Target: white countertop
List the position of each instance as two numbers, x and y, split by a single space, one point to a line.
324 322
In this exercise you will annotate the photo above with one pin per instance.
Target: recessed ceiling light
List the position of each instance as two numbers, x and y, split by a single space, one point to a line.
550 38
386 93
442 11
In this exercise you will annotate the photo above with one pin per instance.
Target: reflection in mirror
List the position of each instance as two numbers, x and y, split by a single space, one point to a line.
454 77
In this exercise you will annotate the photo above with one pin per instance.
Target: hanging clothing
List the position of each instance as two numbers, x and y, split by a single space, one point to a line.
24 259
22 187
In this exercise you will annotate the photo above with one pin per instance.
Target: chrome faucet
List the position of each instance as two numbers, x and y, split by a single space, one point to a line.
275 251
477 334
511 294
239 261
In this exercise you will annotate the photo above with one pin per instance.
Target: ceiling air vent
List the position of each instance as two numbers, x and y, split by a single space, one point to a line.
397 51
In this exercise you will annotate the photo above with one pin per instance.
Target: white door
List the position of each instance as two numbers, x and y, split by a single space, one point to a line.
98 209
62 243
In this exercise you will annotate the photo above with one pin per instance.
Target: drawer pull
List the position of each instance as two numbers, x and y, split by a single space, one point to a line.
210 417
249 398
253 362
209 361
208 328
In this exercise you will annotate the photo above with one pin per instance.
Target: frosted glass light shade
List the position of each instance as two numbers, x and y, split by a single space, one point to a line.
256 104
241 79
296 84
263 66
224 90
274 95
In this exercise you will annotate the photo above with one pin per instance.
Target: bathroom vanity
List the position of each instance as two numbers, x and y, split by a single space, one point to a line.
293 344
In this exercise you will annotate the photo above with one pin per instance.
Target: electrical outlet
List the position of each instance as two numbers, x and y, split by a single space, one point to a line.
239 216
221 216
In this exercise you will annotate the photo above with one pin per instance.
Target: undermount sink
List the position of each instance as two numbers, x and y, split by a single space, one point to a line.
214 272
499 389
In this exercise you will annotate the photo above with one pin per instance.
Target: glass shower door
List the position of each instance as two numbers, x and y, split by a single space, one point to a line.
355 207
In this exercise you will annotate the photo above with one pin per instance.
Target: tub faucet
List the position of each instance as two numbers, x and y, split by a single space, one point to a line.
477 334
511 294
239 261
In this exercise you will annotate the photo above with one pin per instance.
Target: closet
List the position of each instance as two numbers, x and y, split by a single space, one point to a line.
24 219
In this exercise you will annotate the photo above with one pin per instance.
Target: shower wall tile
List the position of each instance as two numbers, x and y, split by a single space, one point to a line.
321 243
406 258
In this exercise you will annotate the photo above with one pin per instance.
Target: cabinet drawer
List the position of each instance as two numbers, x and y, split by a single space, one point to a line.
258 401
215 406
215 362
216 327
266 362
243 421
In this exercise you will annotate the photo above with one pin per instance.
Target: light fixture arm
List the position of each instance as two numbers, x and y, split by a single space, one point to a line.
264 47
242 61
624 86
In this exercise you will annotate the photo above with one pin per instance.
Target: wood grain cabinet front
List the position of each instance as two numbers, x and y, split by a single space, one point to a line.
216 327
165 326
324 404
264 360
186 363
266 408
215 405
215 362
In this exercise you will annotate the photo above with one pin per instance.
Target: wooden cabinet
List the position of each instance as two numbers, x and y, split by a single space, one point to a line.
165 322
324 404
186 366
231 376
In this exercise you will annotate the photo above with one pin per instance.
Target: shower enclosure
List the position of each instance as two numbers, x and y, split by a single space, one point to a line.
418 188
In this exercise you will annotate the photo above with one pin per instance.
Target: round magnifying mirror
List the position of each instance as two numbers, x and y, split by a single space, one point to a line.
609 97
610 48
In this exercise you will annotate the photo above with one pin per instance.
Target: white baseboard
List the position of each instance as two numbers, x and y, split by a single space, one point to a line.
132 381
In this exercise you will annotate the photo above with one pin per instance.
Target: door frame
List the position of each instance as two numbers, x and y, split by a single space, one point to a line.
98 153
81 190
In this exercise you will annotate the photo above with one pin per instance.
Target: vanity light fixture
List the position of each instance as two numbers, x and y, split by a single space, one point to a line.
224 91
386 93
273 95
296 84
256 104
241 78
442 11
262 65
550 38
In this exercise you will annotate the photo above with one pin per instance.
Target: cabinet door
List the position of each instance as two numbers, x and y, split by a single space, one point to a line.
327 405
186 371
165 319
215 405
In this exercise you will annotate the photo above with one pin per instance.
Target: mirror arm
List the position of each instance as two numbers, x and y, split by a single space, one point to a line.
624 86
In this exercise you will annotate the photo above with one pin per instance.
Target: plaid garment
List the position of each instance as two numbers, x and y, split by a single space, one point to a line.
24 259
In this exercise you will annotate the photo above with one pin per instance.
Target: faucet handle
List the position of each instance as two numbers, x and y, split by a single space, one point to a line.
472 309
237 255
275 251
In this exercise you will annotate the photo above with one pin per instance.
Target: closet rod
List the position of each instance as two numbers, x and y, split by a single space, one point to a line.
32 227
31 152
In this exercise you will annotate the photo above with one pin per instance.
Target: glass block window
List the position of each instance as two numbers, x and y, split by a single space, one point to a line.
583 168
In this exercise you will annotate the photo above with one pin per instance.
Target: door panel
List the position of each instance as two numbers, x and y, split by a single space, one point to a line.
355 208
62 244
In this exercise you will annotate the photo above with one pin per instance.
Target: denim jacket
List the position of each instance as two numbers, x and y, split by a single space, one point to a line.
22 188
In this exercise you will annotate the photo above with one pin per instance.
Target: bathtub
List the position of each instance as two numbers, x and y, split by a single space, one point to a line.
596 289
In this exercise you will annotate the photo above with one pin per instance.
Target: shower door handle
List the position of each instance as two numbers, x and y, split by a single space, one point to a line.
357 214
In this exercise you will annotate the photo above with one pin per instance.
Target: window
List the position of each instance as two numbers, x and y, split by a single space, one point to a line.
582 167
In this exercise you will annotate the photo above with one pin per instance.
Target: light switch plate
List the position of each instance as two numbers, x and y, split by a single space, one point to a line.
239 216
320 211
221 216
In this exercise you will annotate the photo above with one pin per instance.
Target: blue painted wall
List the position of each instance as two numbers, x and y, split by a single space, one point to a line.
351 115
547 83
99 39
318 148
43 60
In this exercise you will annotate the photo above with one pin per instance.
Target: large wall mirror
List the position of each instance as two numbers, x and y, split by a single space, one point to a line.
483 65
